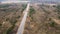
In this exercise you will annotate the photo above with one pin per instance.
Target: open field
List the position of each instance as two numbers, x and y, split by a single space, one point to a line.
10 17
43 19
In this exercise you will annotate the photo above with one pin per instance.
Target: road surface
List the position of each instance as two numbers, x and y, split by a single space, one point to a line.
21 27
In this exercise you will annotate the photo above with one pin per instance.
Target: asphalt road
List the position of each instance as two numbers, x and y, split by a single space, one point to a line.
21 27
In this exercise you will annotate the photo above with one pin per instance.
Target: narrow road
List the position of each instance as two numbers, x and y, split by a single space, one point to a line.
21 27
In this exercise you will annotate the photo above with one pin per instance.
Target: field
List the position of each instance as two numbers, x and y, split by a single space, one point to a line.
43 19
10 17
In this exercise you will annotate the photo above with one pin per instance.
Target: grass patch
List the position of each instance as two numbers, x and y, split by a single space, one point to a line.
32 11
10 29
45 11
58 9
13 21
4 5
24 6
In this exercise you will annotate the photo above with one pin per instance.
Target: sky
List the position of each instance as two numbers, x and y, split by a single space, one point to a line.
33 0
9 0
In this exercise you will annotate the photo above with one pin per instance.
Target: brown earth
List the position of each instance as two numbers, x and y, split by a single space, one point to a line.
42 21
10 17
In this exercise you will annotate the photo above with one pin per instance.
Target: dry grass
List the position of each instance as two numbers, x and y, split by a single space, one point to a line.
10 17
42 22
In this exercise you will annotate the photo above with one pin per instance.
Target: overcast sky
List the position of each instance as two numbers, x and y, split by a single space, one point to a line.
9 0
33 0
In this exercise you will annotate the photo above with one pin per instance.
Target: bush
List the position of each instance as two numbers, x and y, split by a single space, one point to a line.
54 6
52 24
0 24
18 17
58 17
7 19
49 19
